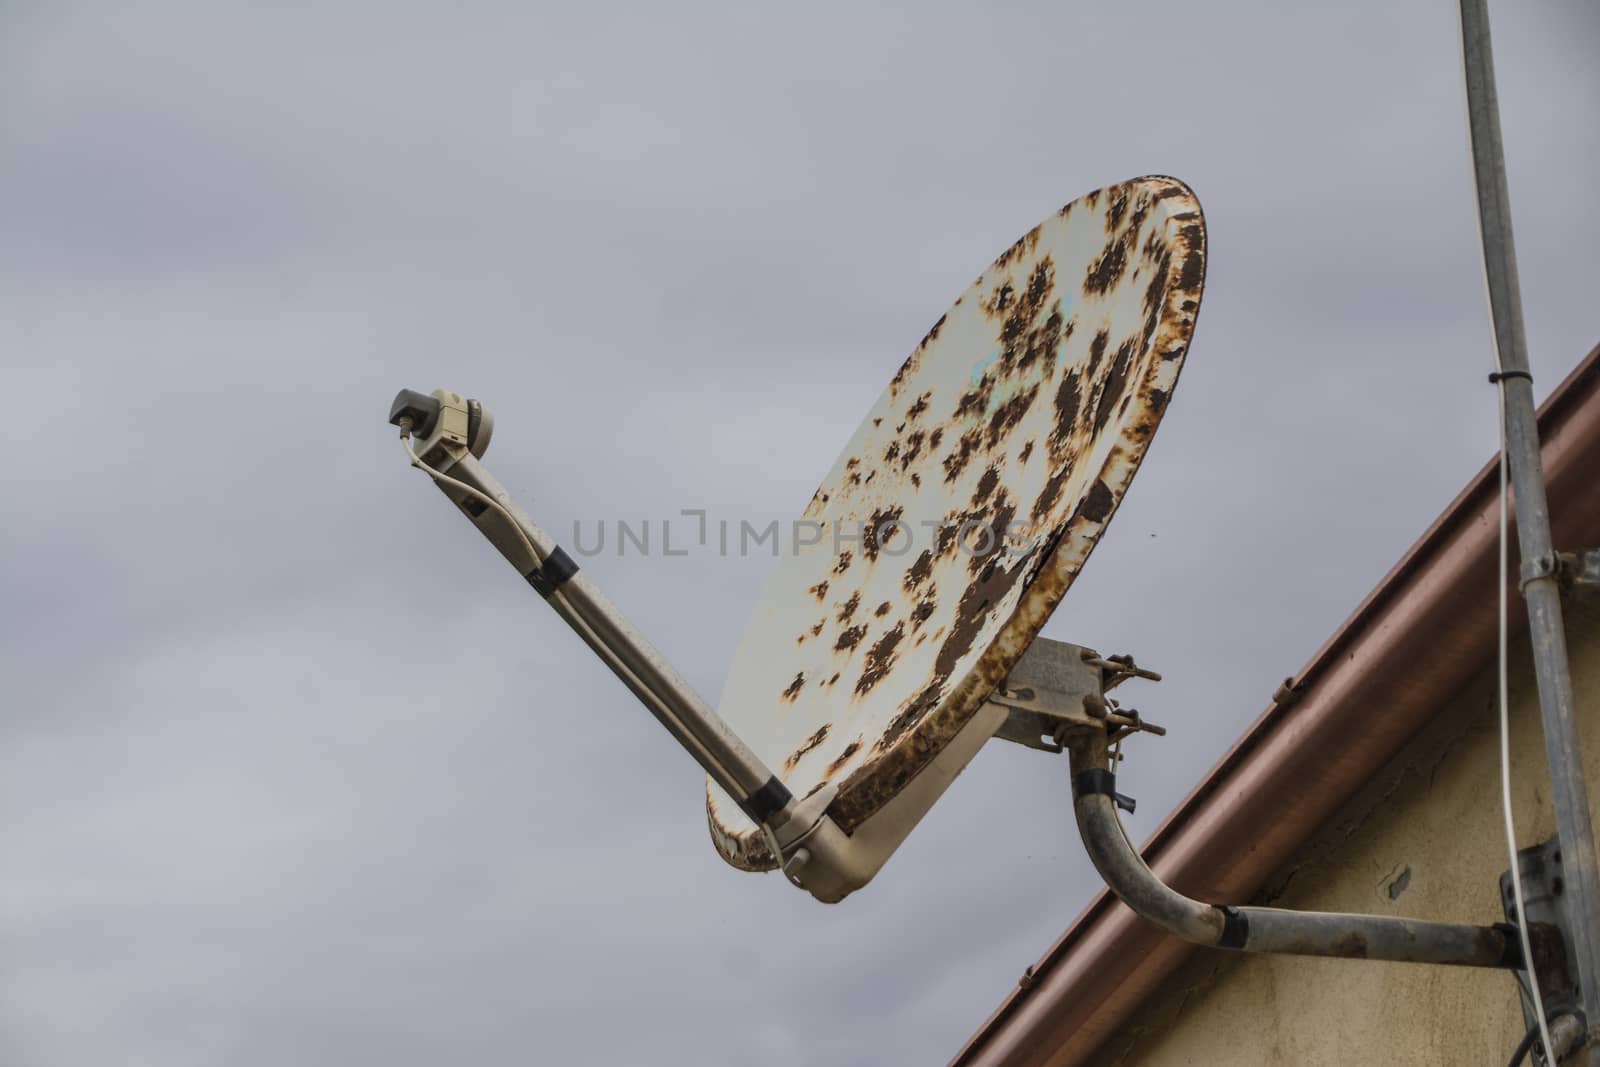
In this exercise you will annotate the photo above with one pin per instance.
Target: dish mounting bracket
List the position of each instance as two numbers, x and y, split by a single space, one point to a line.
1057 687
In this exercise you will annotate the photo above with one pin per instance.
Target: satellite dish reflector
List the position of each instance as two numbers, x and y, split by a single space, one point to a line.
899 634
1007 440
959 514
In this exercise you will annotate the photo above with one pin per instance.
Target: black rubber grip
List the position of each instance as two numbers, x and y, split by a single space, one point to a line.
767 801
557 568
1097 780
1100 781
1235 928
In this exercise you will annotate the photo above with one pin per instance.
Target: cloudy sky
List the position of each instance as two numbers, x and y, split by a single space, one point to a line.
294 770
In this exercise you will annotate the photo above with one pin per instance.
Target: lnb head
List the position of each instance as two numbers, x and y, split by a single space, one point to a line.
444 416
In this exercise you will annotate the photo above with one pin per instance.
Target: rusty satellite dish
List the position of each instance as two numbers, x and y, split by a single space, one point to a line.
959 513
902 636
890 645
900 633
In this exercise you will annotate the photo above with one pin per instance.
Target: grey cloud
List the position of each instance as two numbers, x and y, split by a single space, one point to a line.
258 805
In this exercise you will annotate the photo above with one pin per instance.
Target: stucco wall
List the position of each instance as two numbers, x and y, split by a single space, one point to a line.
1424 839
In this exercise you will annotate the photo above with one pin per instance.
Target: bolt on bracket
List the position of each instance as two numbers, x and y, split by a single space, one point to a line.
1578 573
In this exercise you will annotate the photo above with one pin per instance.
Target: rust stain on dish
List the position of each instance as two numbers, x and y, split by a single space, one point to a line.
810 743
850 638
844 757
981 481
880 658
848 608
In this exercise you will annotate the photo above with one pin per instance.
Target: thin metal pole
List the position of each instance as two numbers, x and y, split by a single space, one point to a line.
1539 587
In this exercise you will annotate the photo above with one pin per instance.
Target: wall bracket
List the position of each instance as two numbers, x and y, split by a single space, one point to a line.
1544 892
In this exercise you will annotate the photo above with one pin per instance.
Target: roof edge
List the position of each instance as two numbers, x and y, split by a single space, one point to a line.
1417 637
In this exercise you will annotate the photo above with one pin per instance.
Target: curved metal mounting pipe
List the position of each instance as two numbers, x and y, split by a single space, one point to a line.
1301 933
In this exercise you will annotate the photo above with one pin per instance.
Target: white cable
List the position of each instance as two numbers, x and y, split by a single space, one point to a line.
485 498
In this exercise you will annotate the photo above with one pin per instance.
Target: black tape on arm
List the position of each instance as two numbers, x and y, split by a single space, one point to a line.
767 801
1235 928
557 568
1100 781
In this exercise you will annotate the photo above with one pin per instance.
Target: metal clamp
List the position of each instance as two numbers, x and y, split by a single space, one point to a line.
1547 565
1057 689
1101 781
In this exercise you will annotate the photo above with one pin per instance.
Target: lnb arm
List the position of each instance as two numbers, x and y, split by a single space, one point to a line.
452 435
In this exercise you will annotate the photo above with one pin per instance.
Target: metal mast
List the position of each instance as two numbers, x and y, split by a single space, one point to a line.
1539 565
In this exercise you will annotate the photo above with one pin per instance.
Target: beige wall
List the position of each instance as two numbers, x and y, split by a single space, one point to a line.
1435 811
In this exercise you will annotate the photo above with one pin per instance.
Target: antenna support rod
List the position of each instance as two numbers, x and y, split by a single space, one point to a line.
1267 930
450 450
1539 569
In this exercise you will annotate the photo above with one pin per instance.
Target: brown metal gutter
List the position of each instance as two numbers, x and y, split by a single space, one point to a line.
1421 635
